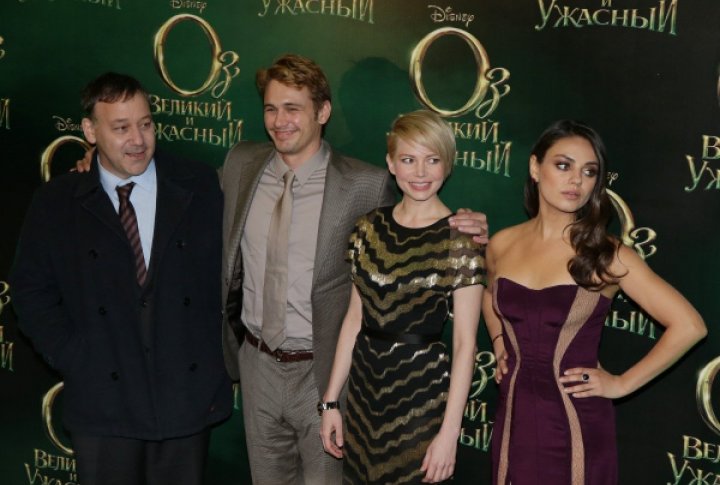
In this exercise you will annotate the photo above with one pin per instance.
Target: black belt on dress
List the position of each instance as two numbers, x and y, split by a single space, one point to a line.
280 355
405 338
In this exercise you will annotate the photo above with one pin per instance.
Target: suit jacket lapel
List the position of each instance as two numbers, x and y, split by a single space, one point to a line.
334 206
248 178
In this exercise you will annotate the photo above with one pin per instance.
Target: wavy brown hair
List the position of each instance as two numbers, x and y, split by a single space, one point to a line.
594 246
299 72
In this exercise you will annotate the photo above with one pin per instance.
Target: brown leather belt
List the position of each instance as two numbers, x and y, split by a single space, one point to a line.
280 355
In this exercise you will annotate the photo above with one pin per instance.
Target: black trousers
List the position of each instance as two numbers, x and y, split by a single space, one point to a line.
109 460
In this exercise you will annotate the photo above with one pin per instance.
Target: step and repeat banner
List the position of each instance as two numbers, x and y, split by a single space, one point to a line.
644 73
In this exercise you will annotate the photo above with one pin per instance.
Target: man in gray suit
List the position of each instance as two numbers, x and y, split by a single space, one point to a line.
290 206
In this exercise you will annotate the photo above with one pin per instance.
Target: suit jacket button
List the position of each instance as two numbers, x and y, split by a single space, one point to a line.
102 310
114 376
93 254
143 303
186 301
193 367
180 243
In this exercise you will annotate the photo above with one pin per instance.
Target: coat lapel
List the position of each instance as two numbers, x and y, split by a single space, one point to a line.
97 202
172 201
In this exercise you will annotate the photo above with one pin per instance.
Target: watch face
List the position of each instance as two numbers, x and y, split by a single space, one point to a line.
324 406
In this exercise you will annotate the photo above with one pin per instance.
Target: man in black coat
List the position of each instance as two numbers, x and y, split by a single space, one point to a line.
116 283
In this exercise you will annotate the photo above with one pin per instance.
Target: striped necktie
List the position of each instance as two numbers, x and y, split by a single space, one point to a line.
128 219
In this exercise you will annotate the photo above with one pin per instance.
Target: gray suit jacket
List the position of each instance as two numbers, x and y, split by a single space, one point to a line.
352 188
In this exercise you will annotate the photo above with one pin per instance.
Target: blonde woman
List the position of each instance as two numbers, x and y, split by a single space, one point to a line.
410 270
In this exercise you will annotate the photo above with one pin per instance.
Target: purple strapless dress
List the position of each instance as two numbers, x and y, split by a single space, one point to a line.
541 435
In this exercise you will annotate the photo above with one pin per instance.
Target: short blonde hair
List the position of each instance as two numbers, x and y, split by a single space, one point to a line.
427 129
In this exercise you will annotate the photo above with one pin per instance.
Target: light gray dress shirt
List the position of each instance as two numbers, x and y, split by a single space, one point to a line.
308 189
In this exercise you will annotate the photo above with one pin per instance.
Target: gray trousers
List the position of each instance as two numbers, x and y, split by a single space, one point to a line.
282 426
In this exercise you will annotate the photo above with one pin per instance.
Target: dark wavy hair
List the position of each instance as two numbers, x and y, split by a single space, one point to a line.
594 246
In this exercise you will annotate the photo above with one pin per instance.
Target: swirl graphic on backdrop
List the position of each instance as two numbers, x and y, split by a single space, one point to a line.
4 296
703 394
486 79
47 416
2 51
638 238
221 62
47 155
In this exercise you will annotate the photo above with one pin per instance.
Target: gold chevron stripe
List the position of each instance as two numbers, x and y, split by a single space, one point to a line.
402 362
377 434
399 402
400 382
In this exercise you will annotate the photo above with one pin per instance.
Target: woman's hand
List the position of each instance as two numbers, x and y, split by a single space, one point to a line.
587 382
332 425
439 461
501 358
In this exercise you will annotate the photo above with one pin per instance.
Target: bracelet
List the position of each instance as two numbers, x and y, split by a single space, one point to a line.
496 337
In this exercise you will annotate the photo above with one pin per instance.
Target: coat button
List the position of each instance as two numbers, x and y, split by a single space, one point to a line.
193 367
93 254
186 301
143 303
102 310
114 376
180 243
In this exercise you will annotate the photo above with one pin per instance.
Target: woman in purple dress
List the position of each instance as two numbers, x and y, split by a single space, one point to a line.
552 279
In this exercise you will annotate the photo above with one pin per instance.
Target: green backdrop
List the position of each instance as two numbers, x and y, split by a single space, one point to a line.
644 73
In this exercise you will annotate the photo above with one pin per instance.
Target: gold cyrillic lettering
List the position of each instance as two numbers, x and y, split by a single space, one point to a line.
711 147
5 113
669 15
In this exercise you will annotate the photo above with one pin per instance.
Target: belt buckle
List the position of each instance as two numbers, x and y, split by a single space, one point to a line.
278 354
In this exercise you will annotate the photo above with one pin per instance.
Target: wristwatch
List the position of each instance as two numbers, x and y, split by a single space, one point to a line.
324 406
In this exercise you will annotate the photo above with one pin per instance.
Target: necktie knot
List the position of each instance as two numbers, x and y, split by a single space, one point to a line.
288 178
125 190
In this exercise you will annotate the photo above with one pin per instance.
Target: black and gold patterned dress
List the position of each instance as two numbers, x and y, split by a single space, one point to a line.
400 371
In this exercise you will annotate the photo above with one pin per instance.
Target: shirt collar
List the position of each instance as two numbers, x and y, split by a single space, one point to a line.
318 161
146 181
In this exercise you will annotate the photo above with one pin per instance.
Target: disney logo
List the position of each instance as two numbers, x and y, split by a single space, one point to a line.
439 15
66 124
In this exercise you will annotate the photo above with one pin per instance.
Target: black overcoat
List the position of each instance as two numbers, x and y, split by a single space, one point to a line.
146 362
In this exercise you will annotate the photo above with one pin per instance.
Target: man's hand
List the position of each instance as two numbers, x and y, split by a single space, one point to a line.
84 164
470 222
